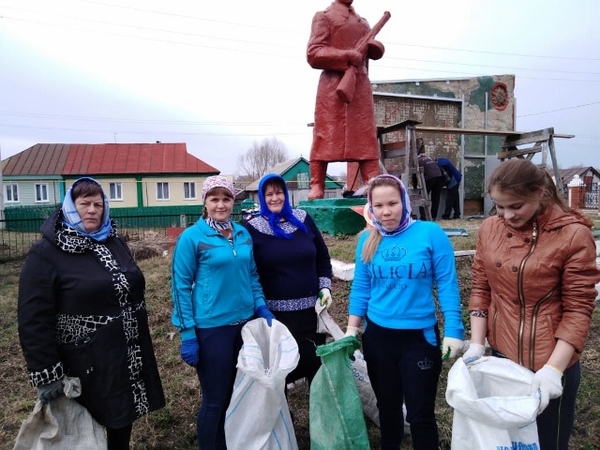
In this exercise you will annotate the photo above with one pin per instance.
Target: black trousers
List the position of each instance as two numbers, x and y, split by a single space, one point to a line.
404 367
434 189
118 438
452 203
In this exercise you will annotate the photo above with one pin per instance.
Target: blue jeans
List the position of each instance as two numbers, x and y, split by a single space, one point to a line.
219 349
403 366
556 422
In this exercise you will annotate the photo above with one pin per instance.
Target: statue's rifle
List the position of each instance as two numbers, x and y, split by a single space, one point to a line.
346 86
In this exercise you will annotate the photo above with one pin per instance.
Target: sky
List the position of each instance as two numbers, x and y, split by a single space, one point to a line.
221 76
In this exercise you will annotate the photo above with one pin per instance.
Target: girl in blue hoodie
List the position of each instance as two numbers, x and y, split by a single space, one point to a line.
399 262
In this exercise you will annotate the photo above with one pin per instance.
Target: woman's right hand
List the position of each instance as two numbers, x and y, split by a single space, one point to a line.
47 392
190 351
473 353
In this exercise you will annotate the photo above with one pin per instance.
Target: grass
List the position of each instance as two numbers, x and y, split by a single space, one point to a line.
175 425
342 247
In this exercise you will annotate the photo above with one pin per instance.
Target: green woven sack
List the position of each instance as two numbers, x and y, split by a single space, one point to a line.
336 415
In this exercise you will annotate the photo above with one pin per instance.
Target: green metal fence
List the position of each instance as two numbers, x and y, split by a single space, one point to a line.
21 226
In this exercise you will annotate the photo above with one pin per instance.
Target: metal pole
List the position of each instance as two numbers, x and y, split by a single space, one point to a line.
461 186
2 217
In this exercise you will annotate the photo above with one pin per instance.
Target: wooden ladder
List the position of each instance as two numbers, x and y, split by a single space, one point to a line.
537 141
406 152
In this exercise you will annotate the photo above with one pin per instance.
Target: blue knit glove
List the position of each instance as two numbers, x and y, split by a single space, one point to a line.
263 311
47 392
190 350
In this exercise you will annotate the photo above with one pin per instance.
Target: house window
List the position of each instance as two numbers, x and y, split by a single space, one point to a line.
162 191
41 193
12 193
189 191
116 191
303 180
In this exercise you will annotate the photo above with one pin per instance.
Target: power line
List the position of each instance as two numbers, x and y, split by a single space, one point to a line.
304 132
525 55
159 132
560 109
499 67
141 121
161 30
291 55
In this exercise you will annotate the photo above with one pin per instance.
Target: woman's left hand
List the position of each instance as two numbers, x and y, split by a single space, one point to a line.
265 313
325 298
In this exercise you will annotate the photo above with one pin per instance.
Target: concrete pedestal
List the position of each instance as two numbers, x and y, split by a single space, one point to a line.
334 216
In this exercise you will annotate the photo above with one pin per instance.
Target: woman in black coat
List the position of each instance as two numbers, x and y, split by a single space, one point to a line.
82 314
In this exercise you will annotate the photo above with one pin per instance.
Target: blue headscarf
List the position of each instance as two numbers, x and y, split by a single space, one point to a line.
405 221
72 218
286 212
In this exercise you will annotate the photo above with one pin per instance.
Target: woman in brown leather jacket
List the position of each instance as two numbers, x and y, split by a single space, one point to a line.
534 276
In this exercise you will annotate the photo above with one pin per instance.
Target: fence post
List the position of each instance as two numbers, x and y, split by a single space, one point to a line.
576 193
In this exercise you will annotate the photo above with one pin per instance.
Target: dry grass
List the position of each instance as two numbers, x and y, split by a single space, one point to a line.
342 247
174 426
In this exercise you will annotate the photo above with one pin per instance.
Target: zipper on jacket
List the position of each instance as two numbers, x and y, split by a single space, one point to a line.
520 277
536 310
231 243
494 317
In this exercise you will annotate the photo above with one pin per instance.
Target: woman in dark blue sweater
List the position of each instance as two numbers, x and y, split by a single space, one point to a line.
294 268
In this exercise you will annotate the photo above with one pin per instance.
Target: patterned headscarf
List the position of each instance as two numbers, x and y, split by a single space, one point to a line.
72 218
217 181
286 212
405 221
214 182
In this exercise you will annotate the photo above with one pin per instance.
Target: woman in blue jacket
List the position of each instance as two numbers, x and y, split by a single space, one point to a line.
215 291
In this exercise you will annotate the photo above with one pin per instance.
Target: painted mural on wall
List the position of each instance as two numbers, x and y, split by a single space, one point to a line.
477 103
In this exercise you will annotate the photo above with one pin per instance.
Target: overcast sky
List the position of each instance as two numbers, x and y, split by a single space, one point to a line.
220 75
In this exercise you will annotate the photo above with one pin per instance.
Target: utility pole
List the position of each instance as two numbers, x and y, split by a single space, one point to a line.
2 223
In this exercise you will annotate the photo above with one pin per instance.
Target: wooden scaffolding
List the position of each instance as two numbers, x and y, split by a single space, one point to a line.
516 144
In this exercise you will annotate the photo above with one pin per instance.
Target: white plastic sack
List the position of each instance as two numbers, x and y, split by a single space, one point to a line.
359 367
258 416
61 424
492 405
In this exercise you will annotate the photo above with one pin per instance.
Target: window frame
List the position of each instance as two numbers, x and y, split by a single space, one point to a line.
119 190
13 188
186 190
38 188
160 191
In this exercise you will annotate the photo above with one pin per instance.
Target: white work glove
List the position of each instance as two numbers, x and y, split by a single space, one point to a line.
325 298
351 331
473 353
453 345
547 383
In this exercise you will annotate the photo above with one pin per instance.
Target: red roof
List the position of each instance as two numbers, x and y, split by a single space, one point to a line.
106 159
41 159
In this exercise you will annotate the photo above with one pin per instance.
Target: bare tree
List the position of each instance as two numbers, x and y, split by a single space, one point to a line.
261 157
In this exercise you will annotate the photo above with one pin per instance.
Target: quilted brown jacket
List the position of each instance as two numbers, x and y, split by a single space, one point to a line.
537 284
